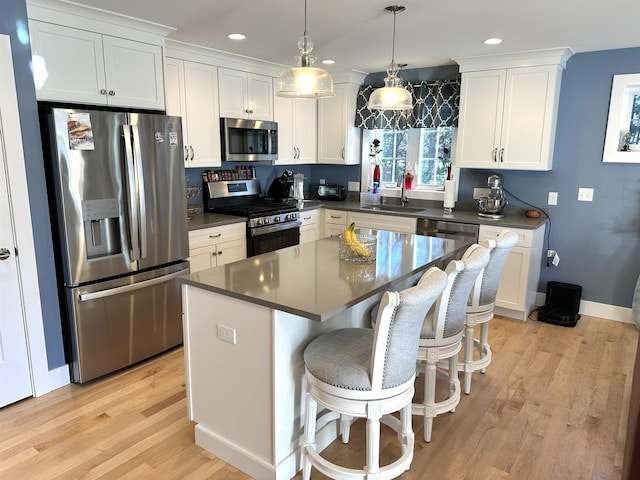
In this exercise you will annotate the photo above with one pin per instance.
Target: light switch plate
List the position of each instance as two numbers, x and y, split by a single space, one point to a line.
585 194
354 186
553 198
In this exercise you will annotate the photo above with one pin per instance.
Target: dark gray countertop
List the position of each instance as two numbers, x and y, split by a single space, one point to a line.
209 219
514 217
310 280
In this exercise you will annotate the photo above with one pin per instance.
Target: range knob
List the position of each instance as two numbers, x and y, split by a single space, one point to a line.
265 221
276 219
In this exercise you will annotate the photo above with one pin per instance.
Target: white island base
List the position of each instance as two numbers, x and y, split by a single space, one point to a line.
247 398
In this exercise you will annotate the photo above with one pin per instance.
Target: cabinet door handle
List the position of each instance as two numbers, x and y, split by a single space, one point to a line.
214 253
192 152
111 93
342 152
186 153
495 154
220 252
217 235
334 216
501 155
103 91
4 253
249 110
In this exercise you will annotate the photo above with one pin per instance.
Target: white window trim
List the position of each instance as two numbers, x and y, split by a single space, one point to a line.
418 193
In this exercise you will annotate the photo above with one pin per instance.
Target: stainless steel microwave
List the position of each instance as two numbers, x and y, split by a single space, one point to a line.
249 140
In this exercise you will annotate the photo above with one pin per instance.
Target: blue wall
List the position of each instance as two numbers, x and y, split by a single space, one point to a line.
13 22
598 242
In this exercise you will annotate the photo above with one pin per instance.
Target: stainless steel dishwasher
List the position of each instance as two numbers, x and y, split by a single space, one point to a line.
446 229
450 230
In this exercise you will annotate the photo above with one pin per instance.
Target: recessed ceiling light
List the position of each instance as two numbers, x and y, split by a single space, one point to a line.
328 62
492 41
236 36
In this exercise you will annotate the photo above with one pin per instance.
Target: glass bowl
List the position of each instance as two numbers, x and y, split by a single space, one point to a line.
361 251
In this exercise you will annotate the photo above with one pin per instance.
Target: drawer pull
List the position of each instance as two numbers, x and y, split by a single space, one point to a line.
217 235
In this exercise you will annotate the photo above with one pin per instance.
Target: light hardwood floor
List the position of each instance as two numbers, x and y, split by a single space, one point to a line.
552 405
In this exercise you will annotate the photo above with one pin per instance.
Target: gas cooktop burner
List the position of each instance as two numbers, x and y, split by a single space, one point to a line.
254 210
491 216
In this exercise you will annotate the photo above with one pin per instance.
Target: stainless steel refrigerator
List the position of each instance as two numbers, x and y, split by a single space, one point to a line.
117 192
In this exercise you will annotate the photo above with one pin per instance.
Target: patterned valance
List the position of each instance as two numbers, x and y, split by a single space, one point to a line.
434 105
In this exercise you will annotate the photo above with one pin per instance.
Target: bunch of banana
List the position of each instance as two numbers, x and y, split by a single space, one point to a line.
349 237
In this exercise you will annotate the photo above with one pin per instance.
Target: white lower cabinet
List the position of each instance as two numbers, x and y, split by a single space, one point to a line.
310 228
211 247
382 222
518 285
334 223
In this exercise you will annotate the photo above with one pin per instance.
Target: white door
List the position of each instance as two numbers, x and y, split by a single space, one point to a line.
14 361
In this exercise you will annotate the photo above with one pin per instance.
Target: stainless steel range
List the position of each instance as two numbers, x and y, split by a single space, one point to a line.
271 224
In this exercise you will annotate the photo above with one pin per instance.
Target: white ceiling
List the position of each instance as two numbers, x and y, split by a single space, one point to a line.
357 34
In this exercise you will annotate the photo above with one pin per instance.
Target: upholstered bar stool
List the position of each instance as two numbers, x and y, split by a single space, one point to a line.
441 335
368 373
481 305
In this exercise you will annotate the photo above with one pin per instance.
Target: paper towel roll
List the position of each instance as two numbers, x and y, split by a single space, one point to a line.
449 193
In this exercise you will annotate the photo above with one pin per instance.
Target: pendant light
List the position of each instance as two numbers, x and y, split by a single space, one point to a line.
305 80
393 96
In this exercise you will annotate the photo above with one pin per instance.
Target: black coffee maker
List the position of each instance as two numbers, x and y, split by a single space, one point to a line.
282 187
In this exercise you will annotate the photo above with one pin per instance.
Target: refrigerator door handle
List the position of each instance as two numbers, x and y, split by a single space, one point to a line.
134 223
137 157
84 297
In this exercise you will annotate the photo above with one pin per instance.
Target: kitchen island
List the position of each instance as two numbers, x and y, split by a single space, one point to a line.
247 323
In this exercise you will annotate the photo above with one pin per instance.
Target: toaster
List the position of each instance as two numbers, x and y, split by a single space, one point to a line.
331 192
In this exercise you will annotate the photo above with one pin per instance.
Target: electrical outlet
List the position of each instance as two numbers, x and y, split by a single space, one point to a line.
322 180
556 260
551 253
553 198
227 334
585 194
480 192
354 186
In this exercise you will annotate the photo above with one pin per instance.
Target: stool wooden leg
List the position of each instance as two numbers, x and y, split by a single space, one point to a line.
373 447
309 435
429 399
484 341
468 357
453 378
345 427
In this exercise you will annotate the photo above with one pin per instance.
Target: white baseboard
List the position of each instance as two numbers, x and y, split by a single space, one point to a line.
594 309
58 377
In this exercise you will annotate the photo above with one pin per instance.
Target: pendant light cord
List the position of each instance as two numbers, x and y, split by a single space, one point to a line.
393 41
305 18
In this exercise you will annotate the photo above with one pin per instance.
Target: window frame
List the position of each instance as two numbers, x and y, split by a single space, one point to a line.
388 189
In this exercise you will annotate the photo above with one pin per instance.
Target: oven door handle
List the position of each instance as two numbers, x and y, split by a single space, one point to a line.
278 227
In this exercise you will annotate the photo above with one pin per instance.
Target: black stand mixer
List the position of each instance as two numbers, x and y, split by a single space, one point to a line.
492 205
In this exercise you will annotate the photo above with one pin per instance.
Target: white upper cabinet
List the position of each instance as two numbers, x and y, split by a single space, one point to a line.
192 93
245 95
339 141
297 137
508 115
87 67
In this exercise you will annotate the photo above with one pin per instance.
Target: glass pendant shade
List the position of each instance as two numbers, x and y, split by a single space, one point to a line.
305 80
393 96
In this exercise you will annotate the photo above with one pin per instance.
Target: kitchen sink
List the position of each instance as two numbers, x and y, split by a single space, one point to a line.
391 208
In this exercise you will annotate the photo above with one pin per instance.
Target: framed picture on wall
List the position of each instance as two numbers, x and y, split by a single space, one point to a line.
622 140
